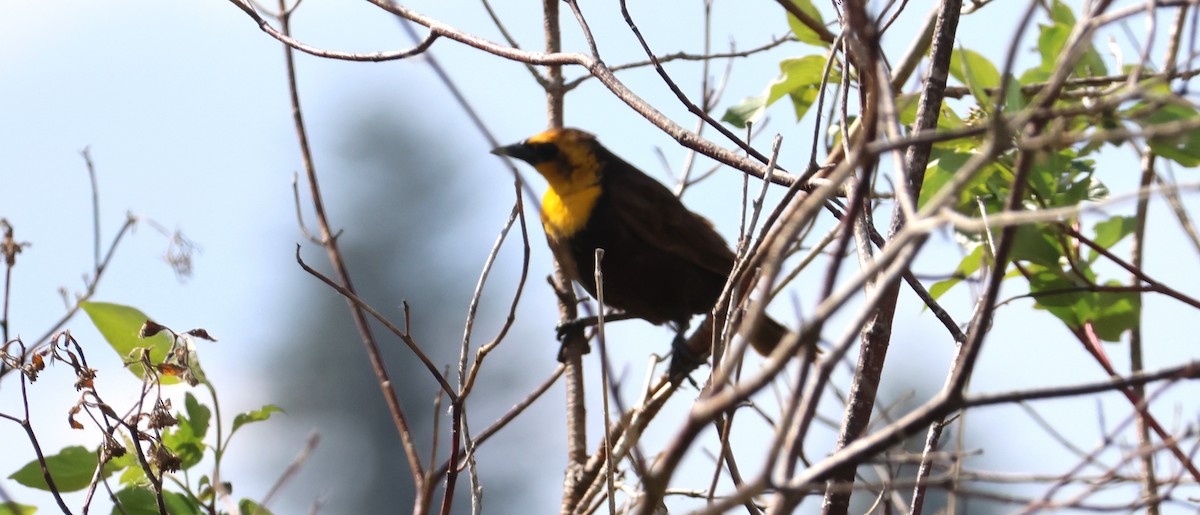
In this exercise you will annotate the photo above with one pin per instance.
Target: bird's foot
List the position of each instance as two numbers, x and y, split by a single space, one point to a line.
566 327
683 361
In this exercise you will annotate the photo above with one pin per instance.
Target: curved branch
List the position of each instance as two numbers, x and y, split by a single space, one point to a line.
345 56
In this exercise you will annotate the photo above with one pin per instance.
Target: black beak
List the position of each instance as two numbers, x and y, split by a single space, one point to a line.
518 150
532 153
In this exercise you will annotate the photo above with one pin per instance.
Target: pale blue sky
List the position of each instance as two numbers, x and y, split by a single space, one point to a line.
184 107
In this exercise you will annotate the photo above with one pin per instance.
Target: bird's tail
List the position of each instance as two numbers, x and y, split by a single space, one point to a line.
766 336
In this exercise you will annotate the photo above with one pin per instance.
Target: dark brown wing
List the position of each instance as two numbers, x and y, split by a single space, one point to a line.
656 217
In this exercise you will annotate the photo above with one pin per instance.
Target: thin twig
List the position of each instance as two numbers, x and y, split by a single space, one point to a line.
344 285
284 36
293 468
1136 252
404 336
605 381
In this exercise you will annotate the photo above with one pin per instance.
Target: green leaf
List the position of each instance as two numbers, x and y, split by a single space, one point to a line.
1090 64
135 501
22 509
941 287
134 476
1035 75
906 110
1058 294
802 31
1043 180
184 443
750 109
193 361
802 99
966 268
1060 12
1052 42
249 507
1069 297
1086 187
940 170
1035 243
120 326
948 119
179 504
1184 147
204 489
1014 99
72 469
187 439
1062 179
198 415
982 186
127 464
1114 313
258 415
974 70
1111 231
141 501
800 78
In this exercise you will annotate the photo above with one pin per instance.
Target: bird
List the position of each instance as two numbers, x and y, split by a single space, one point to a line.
662 262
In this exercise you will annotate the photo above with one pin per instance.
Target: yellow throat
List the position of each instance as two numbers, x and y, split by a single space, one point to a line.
564 215
574 186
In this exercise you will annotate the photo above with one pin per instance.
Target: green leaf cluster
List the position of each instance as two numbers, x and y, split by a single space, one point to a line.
76 468
1060 280
120 325
1052 44
1068 289
799 78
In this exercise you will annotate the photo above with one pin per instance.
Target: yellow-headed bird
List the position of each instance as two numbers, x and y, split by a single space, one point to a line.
662 262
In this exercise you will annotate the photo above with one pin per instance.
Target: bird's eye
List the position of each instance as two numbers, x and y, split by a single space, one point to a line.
542 152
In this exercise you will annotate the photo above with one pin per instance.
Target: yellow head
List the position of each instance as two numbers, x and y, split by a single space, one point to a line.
566 158
571 161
